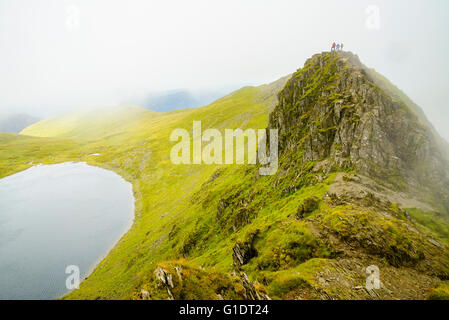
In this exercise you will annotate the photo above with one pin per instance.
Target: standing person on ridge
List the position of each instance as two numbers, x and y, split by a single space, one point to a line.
333 46
338 47
341 47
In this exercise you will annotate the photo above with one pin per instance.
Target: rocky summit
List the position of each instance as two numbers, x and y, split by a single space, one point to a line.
344 116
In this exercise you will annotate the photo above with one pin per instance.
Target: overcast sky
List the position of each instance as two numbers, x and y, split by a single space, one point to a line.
56 55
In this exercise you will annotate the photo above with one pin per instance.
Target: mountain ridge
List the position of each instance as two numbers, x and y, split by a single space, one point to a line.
308 232
352 123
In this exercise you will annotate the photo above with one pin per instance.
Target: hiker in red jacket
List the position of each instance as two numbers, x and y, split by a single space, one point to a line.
333 46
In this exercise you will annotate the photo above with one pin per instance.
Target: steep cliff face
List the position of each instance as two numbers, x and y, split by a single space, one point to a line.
337 112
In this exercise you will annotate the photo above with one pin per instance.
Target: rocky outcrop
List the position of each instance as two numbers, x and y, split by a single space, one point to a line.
181 280
164 279
243 251
250 291
332 111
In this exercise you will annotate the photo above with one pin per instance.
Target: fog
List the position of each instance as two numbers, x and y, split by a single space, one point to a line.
57 55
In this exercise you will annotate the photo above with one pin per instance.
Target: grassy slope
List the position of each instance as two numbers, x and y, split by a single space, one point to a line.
19 152
137 147
176 206
89 123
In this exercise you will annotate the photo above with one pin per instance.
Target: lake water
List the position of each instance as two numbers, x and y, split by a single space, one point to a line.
53 216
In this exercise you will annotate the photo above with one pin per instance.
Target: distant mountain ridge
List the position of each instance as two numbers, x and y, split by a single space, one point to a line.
179 99
14 123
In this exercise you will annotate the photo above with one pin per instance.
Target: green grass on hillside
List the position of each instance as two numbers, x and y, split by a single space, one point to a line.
194 215
136 146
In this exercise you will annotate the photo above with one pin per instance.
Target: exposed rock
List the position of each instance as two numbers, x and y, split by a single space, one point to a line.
221 207
244 251
241 218
145 295
164 279
334 112
408 216
184 281
250 291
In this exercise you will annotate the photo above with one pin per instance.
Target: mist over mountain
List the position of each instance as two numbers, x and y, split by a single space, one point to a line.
98 61
14 123
179 99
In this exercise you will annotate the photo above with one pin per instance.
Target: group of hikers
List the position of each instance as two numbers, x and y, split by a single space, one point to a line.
337 47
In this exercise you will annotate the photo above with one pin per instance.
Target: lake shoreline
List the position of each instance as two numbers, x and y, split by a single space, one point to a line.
90 228
96 264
